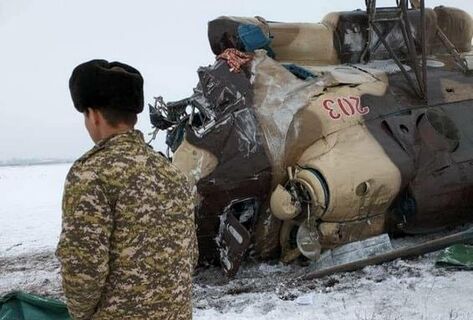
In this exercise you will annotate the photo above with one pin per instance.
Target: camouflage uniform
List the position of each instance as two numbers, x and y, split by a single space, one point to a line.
128 244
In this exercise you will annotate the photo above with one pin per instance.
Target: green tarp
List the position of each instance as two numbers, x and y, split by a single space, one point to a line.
459 255
25 306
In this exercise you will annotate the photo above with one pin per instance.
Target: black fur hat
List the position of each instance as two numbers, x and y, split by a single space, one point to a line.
103 84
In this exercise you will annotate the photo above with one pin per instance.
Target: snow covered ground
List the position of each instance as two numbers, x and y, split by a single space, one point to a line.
30 207
403 289
400 290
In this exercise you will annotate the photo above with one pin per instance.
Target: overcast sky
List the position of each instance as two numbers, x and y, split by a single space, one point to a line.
42 41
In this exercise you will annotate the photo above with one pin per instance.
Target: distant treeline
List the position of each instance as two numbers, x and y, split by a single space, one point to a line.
32 162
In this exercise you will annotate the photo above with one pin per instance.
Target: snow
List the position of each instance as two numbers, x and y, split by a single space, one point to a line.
403 289
30 207
413 289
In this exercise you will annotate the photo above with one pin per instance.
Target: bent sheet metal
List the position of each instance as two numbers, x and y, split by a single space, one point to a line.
324 134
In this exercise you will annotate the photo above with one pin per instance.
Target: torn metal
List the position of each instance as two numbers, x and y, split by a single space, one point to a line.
297 148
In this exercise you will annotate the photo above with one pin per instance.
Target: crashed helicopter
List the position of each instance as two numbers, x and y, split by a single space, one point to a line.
302 137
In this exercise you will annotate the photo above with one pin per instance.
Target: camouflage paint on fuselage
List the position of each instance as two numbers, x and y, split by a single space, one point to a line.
389 160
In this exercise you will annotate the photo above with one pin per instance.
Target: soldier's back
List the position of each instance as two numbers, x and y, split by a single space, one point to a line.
152 245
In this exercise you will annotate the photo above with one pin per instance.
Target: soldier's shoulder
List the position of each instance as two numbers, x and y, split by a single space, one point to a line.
167 167
169 173
86 165
89 156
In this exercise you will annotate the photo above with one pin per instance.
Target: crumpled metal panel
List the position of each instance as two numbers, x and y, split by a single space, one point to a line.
278 97
360 128
241 170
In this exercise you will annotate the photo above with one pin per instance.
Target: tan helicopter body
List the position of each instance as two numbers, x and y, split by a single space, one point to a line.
289 166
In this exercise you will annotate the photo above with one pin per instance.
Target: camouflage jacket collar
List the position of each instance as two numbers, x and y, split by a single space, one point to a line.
132 136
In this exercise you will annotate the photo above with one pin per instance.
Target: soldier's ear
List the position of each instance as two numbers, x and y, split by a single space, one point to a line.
94 116
99 118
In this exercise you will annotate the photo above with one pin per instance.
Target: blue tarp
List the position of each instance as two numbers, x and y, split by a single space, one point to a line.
253 38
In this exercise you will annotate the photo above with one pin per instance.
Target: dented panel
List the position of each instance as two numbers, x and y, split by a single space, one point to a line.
289 167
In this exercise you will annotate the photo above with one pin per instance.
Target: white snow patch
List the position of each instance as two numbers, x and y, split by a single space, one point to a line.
30 207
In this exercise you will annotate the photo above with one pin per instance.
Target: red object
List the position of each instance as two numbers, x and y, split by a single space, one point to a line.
235 59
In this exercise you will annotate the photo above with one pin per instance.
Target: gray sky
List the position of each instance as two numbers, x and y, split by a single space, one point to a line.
42 41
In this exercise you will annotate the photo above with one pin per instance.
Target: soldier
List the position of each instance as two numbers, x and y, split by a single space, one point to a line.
128 244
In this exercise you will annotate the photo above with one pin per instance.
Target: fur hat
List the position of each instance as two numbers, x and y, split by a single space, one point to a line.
102 84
